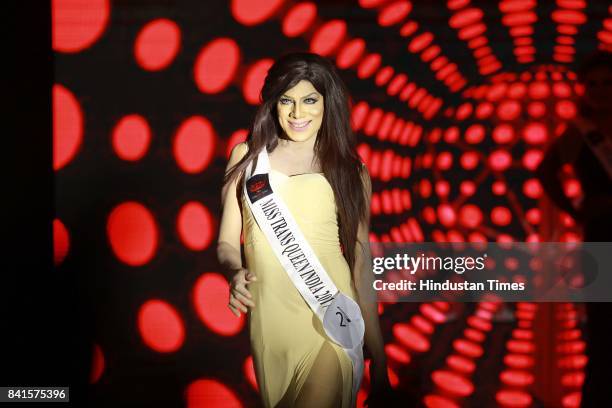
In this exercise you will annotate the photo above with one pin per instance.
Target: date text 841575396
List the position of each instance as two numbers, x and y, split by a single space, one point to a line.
34 394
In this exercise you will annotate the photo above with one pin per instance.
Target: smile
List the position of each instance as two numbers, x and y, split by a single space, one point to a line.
299 126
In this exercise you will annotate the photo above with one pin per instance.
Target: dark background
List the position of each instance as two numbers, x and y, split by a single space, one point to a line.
92 298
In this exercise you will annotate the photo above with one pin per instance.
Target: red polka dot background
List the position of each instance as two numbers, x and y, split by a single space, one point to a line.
453 103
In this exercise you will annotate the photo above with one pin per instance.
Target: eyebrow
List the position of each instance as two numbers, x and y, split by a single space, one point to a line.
310 94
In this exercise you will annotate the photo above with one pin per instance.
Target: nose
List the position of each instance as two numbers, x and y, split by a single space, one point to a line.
297 110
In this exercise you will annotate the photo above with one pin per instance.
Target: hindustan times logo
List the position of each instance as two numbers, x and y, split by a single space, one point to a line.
412 264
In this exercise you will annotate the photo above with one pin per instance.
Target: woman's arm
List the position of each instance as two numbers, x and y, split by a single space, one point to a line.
367 299
228 245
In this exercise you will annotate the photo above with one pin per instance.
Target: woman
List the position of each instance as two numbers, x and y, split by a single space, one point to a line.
583 145
303 124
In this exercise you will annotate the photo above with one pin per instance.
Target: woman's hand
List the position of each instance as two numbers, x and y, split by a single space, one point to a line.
381 393
240 297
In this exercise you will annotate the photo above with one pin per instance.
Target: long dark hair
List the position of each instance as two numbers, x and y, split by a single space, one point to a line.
335 147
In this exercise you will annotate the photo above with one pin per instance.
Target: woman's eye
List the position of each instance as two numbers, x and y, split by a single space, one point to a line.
309 101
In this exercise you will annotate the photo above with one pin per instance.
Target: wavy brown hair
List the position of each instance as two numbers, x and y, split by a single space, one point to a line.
335 147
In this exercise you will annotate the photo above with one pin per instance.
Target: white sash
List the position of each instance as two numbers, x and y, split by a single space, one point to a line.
601 146
340 315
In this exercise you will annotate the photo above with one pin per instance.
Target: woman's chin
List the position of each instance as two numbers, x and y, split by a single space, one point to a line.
299 136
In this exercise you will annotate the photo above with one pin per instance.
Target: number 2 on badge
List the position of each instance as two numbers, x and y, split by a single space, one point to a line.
341 313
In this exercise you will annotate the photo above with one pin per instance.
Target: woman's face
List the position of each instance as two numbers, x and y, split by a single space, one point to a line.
300 111
598 88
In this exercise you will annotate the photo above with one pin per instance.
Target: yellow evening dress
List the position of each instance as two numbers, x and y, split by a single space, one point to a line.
286 336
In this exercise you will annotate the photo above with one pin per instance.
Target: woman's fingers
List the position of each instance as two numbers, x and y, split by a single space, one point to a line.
243 291
246 278
233 310
243 299
237 304
240 297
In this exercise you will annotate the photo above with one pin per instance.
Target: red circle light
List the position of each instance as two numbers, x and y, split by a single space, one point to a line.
513 398
438 401
532 188
475 134
508 110
484 110
539 90
409 337
409 28
499 187
394 13
469 160
572 17
131 137
157 44
67 126
368 65
452 383
194 144
501 216
561 90
519 18
328 37
299 19
161 326
216 65
77 24
503 134
359 115
210 297
467 187
472 31
500 160
254 80
446 215
532 158
133 233
566 109
517 90
535 133
465 17
253 12
209 393
470 216
61 242
536 109
195 226
384 75
350 53
419 42
97 365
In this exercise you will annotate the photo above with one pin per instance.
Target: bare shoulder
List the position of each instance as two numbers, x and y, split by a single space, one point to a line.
238 152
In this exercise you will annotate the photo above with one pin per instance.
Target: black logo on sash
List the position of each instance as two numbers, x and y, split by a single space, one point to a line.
258 187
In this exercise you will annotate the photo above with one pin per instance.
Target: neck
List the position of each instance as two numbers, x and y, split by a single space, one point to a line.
298 146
